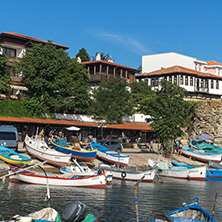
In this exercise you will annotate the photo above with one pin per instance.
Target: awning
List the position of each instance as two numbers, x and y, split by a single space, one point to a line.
73 128
23 88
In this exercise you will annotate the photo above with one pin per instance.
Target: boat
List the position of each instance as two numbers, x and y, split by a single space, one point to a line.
41 151
12 157
129 175
190 212
213 171
201 145
110 156
74 212
80 154
201 155
166 169
85 171
32 177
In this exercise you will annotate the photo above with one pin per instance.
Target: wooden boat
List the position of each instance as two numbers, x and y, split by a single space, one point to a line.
191 211
129 175
201 155
32 177
181 172
201 145
81 154
212 172
12 157
40 150
84 171
110 156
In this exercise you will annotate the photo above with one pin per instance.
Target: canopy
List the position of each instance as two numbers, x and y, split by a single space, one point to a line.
73 128
202 137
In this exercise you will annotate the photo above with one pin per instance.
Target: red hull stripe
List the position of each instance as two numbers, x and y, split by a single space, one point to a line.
185 178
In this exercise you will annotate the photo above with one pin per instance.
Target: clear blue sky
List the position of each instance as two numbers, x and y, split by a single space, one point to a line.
126 29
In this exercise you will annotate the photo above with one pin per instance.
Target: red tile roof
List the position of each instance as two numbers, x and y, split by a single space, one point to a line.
110 63
177 69
125 125
31 38
213 63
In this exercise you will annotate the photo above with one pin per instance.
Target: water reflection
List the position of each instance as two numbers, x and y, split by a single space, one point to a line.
117 203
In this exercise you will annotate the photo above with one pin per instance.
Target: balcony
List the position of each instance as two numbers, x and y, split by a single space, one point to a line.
201 89
98 78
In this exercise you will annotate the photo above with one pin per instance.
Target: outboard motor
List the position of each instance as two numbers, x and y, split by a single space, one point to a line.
74 212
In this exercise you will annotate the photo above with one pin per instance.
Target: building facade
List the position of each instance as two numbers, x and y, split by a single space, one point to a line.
200 78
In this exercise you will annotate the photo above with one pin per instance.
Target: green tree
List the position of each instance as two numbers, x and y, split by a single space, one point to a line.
103 56
140 93
84 56
111 101
4 75
53 79
169 113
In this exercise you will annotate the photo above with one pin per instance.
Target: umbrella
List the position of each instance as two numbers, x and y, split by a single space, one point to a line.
202 137
73 128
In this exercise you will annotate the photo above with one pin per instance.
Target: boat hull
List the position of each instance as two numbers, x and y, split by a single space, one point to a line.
41 151
97 181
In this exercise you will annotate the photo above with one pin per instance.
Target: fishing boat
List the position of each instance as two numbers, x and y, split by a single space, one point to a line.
84 171
129 175
12 157
80 154
74 212
190 212
201 145
201 155
40 150
109 155
180 172
32 177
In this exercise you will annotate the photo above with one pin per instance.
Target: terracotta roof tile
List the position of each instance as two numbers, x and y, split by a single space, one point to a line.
213 63
109 63
177 69
33 39
125 125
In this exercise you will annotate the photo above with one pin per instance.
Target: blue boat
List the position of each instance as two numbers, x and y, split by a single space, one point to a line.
80 154
12 157
212 173
190 212
201 145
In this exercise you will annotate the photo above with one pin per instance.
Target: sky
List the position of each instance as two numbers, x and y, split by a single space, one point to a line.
124 29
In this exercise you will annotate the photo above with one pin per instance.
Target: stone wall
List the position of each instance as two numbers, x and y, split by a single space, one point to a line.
208 120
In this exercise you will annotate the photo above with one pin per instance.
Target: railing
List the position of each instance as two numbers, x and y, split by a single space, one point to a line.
97 78
201 89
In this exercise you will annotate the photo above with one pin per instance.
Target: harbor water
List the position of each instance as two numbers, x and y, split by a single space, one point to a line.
117 202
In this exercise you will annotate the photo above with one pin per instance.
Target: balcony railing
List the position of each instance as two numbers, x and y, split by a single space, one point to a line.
98 78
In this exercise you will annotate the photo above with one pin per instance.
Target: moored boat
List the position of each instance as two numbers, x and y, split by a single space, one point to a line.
129 175
40 150
12 157
110 156
201 145
79 154
190 212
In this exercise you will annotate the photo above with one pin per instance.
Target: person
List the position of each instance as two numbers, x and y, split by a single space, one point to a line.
47 140
179 151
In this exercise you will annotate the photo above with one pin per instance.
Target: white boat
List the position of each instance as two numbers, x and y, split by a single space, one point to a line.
32 177
129 175
168 170
40 150
84 171
201 155
109 155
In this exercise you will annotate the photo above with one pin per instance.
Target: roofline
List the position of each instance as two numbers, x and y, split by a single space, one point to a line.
110 63
19 36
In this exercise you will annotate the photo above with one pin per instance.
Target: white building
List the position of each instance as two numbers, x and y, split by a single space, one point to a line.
200 78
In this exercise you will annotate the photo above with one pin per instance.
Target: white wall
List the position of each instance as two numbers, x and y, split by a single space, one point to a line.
154 62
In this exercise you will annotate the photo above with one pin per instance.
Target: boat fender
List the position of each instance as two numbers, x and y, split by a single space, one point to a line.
123 174
164 217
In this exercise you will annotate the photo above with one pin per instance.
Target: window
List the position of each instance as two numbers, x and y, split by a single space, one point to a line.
175 79
202 83
152 82
170 79
7 136
186 80
165 77
191 80
156 82
206 83
217 84
9 52
181 80
212 84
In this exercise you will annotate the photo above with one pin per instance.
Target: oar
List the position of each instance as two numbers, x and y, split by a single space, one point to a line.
19 171
78 165
215 200
136 186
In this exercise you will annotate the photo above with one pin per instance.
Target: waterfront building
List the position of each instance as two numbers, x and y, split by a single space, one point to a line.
201 79
14 46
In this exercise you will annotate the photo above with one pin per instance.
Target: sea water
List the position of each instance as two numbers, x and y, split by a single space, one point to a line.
117 202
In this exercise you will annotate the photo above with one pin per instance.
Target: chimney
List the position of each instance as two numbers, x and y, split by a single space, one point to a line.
110 59
78 59
98 57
